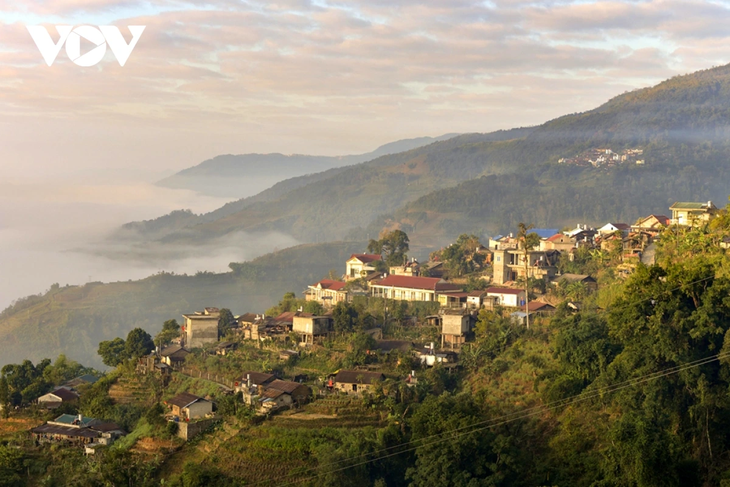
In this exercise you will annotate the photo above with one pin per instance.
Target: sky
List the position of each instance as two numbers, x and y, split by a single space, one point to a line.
79 146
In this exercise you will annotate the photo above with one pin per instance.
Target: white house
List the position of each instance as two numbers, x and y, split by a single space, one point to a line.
507 296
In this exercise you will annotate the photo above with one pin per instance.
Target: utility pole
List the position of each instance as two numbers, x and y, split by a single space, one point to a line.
527 280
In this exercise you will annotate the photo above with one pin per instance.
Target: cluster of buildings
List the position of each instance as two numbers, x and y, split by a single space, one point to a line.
604 157
72 429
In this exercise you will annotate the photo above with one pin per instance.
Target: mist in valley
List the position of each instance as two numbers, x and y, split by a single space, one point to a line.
58 232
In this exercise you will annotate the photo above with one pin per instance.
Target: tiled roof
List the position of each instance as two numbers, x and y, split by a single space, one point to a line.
412 282
247 318
284 386
257 378
330 284
539 306
575 277
688 205
65 394
184 399
366 258
52 429
358 377
174 350
271 393
504 290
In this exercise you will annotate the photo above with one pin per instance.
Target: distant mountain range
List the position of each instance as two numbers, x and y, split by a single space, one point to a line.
239 176
480 183
681 124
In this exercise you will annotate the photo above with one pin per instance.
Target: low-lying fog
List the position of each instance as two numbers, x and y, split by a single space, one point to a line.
45 226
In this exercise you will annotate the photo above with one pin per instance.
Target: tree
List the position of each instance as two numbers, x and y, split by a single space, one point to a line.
113 352
392 246
225 322
463 257
170 330
528 241
345 316
138 344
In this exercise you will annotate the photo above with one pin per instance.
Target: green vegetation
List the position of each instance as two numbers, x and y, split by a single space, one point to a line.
392 246
137 344
74 319
24 383
487 183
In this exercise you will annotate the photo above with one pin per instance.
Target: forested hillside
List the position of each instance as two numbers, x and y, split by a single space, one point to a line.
74 319
680 124
628 391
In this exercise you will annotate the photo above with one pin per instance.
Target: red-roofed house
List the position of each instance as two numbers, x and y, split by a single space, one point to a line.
326 292
507 296
558 241
409 288
360 265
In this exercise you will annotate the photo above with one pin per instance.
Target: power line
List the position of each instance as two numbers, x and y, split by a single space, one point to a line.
511 417
536 409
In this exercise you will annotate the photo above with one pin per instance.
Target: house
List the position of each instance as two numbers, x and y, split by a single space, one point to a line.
509 265
411 269
453 300
299 393
252 383
356 381
559 241
407 288
589 282
224 348
430 357
475 299
652 223
610 228
189 406
68 428
310 327
327 292
455 325
82 380
201 327
433 269
540 308
174 355
690 213
725 242
248 319
360 265
271 399
54 399
507 296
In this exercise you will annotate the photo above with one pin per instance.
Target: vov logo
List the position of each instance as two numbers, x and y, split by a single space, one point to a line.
101 37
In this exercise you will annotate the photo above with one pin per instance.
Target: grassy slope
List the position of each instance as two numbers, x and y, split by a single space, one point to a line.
73 320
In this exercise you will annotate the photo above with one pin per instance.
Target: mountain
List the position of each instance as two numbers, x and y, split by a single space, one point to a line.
238 176
681 125
485 183
332 204
74 319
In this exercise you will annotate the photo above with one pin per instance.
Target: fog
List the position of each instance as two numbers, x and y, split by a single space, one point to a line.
53 231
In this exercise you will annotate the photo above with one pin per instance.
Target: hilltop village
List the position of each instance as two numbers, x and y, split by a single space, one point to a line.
344 350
